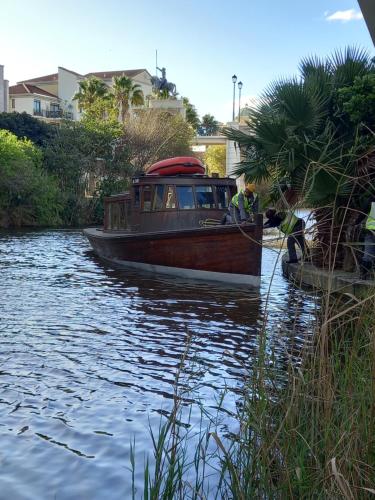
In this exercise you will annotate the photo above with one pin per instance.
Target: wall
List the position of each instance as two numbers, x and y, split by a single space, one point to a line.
67 87
26 103
51 87
174 106
3 90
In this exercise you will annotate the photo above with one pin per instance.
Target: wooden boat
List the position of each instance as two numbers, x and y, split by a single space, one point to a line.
171 224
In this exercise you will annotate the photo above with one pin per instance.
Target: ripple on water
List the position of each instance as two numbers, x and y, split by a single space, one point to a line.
89 356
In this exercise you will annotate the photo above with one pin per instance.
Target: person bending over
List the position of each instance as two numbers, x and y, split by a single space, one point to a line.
243 205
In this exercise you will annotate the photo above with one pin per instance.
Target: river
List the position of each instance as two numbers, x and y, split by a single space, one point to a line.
89 355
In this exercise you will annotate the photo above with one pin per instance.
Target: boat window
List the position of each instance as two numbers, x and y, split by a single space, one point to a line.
136 197
158 197
222 195
171 198
146 201
185 197
205 196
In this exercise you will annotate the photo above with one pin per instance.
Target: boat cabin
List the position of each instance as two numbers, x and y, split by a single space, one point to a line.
163 203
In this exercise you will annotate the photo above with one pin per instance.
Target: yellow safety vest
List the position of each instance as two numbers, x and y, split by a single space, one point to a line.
247 204
288 223
370 222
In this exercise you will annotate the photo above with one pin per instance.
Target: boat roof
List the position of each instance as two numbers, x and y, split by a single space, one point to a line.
182 179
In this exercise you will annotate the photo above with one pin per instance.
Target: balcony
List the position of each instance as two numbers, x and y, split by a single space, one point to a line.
54 114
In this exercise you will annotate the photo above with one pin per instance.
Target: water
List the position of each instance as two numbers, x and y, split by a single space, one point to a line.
89 355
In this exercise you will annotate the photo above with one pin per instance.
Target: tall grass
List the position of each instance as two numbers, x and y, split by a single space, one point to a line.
312 436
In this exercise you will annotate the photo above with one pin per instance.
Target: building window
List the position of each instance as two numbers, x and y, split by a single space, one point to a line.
37 107
185 197
13 104
205 197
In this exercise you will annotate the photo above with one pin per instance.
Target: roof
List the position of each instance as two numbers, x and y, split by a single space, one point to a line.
110 74
46 78
99 74
25 88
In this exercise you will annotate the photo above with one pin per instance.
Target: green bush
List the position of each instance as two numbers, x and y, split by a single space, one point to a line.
26 126
28 196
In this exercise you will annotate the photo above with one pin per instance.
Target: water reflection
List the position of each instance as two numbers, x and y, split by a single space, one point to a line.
89 356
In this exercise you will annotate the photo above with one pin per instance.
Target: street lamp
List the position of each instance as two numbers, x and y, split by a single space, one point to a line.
234 80
239 100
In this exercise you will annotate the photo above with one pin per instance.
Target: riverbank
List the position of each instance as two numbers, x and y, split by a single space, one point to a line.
306 275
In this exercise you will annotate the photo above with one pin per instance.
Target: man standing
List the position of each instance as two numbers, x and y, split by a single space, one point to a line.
244 204
293 227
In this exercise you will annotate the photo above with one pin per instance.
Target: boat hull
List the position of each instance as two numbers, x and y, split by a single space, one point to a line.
220 253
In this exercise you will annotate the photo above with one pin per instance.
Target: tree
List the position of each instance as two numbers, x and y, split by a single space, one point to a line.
27 195
302 139
215 159
153 135
24 125
126 94
84 154
208 126
90 90
191 114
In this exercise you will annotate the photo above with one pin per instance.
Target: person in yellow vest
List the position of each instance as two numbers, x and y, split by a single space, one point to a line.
369 243
243 205
293 227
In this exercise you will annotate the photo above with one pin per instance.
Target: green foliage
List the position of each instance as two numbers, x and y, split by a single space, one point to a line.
215 159
208 125
303 134
191 113
126 93
358 101
89 91
24 125
85 160
27 195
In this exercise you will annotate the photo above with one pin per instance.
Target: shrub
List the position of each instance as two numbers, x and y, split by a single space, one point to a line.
28 196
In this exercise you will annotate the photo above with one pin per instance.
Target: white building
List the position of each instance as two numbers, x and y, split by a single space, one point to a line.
50 97
4 89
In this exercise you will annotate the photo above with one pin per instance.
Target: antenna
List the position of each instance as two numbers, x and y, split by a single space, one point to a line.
156 59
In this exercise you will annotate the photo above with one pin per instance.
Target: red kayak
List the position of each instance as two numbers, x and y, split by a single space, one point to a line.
178 165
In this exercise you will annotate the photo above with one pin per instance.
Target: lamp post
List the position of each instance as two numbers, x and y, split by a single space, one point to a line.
234 80
239 101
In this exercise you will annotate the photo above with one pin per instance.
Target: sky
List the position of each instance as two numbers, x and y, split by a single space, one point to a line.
201 43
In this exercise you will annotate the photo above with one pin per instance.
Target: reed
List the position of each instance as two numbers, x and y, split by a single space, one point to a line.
310 435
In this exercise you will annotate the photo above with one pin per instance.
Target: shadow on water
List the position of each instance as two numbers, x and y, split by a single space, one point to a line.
89 355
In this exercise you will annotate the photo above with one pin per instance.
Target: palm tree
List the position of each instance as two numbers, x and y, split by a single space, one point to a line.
302 142
208 126
90 90
191 113
126 94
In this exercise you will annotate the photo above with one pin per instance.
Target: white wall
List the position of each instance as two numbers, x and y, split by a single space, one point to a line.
174 106
67 87
144 80
233 152
3 105
26 103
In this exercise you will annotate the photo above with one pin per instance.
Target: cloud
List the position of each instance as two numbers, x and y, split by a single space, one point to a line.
344 15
